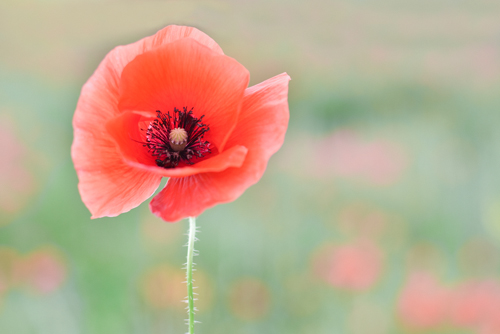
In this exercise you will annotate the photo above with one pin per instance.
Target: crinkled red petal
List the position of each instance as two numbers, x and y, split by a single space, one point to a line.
185 73
126 131
261 128
108 185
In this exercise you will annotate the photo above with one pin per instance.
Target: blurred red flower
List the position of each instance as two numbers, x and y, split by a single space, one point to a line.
173 105
423 302
491 324
354 266
3 285
17 181
380 162
43 271
474 303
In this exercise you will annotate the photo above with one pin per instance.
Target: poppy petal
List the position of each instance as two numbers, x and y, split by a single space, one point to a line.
121 55
111 189
107 184
103 84
125 131
172 33
182 74
232 157
261 128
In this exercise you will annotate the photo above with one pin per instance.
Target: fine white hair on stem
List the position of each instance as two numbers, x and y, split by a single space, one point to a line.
189 274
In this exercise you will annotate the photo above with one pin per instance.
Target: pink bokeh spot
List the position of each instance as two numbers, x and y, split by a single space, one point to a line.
491 325
43 271
3 285
423 302
355 266
16 180
474 303
344 153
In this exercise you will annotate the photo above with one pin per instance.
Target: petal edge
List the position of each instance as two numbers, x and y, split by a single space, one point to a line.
261 128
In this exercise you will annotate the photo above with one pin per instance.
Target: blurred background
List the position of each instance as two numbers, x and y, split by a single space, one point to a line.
380 214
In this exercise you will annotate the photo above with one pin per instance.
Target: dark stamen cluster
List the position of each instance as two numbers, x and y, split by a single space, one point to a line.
158 138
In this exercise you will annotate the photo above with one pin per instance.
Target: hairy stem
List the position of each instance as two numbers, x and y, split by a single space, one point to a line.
189 272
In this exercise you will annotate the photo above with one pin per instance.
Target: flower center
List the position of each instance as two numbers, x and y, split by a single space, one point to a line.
176 138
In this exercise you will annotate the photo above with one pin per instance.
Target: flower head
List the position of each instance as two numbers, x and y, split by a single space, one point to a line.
173 105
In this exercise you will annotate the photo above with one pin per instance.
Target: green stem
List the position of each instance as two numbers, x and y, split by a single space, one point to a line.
189 274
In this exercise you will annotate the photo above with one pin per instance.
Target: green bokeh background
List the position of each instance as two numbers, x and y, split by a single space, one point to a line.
413 85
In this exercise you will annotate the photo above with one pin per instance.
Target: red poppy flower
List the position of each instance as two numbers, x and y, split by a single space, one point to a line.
173 105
